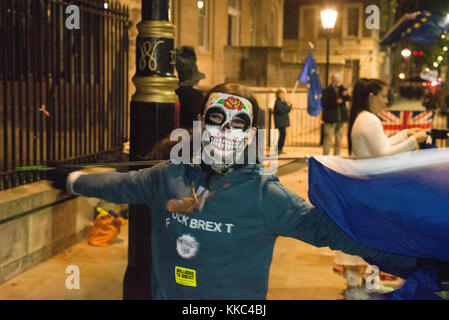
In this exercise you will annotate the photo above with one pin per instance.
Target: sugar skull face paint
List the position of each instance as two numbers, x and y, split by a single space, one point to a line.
227 120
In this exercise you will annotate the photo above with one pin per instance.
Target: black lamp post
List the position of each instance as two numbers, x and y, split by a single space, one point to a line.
151 118
328 18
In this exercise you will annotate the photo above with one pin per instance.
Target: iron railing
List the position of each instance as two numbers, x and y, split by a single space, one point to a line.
63 92
304 129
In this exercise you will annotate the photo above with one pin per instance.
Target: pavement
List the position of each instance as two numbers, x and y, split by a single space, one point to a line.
298 272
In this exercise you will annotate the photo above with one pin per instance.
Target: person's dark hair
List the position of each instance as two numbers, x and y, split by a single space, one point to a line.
241 91
161 151
236 90
279 91
360 96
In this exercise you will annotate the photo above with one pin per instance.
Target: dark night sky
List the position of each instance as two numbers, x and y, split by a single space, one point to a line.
415 5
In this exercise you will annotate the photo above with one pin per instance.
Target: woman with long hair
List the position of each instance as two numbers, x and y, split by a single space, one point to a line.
366 139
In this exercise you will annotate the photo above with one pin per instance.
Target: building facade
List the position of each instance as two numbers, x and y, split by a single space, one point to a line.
354 48
264 43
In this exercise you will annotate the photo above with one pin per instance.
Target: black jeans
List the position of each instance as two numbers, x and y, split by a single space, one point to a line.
281 141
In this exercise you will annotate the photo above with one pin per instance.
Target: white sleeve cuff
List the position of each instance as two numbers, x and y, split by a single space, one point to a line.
413 143
71 180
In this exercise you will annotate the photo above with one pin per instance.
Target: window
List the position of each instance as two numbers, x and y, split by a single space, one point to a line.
352 70
291 19
253 24
233 22
203 23
353 22
234 4
272 28
309 19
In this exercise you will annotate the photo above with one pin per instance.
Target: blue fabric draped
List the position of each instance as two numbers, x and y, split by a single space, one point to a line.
397 204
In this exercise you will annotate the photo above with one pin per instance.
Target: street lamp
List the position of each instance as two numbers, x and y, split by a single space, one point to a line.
328 18
406 53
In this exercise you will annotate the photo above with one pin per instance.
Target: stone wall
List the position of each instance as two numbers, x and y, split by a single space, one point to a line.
37 222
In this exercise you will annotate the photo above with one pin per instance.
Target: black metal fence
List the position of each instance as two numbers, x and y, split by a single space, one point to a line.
63 92
304 129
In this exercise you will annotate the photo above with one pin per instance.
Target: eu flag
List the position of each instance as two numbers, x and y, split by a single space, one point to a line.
309 76
410 219
420 27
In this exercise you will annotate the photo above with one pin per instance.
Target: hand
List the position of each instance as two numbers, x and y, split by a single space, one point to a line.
412 131
420 136
58 176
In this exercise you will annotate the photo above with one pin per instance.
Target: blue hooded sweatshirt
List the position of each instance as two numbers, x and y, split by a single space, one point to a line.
224 248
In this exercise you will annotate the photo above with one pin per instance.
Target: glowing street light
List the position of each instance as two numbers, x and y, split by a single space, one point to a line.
401 76
406 53
445 48
440 58
435 64
200 4
328 18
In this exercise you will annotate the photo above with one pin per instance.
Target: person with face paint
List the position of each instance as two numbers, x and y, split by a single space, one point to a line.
219 243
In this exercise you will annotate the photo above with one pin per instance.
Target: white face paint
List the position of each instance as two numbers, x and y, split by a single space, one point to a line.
227 123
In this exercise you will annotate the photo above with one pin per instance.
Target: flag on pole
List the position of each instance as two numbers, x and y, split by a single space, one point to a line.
420 27
397 204
309 76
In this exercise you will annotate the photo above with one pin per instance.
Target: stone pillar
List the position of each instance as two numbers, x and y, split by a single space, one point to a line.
151 119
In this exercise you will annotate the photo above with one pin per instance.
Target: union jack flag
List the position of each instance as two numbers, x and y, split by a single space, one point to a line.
395 121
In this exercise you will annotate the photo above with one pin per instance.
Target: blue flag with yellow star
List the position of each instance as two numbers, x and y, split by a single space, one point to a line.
309 76
420 27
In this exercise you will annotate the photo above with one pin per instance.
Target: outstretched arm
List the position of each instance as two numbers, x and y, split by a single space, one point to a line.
289 215
138 187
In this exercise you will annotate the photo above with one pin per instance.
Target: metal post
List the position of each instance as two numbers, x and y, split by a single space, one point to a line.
327 56
151 118
328 35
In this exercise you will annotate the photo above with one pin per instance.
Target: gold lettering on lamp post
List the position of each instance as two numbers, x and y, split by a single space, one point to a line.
147 51
155 80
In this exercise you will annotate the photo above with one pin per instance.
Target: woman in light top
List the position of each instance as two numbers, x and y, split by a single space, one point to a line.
366 136
366 139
